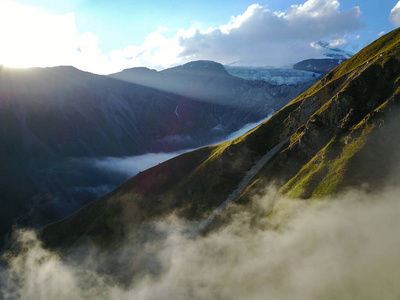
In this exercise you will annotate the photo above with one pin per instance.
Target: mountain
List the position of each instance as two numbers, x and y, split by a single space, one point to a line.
56 123
328 51
318 65
210 81
330 58
341 132
301 72
205 80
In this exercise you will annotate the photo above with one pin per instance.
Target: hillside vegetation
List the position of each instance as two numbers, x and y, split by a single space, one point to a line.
341 132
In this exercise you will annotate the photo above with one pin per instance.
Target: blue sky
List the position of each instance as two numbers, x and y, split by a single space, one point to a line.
104 36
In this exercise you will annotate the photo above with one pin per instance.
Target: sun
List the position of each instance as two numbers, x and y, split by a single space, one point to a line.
33 38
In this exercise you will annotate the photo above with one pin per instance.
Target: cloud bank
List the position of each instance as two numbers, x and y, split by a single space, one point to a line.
342 248
394 16
245 128
33 38
131 165
264 37
259 36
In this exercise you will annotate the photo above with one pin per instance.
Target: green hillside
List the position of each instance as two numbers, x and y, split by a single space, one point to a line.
342 132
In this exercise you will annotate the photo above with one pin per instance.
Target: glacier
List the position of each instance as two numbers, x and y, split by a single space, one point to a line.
273 76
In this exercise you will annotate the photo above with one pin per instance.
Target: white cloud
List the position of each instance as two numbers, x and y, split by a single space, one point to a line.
394 16
157 51
273 38
342 248
33 38
258 36
132 165
26 34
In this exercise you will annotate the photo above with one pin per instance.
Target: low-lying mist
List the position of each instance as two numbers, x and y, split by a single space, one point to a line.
246 128
131 165
345 247
75 182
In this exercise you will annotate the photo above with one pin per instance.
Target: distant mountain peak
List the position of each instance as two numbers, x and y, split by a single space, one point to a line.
143 72
140 69
199 66
342 132
330 57
329 51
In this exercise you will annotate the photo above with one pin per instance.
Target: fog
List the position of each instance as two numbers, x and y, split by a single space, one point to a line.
344 247
77 181
131 165
246 128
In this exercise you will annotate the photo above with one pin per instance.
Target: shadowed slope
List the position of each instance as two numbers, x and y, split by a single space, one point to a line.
333 130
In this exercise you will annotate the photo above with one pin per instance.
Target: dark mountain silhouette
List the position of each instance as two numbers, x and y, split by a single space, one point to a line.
332 58
322 66
341 132
209 81
54 119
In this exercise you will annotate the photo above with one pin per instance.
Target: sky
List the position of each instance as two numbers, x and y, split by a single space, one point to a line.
105 36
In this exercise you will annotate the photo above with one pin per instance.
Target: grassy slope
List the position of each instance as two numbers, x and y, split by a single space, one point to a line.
332 128
372 84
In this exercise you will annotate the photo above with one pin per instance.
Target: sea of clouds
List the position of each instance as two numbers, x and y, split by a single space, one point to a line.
344 247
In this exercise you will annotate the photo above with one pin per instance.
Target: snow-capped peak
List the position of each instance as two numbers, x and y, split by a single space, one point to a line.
331 51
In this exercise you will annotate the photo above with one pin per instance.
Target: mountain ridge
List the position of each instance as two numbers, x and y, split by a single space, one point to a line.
55 121
331 129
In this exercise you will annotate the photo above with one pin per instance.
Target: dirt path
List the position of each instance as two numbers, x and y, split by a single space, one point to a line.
240 188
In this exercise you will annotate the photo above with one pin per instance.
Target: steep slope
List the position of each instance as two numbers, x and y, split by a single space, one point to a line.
341 132
52 119
56 121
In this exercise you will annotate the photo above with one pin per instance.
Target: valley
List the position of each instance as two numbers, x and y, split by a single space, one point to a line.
60 127
320 143
199 150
